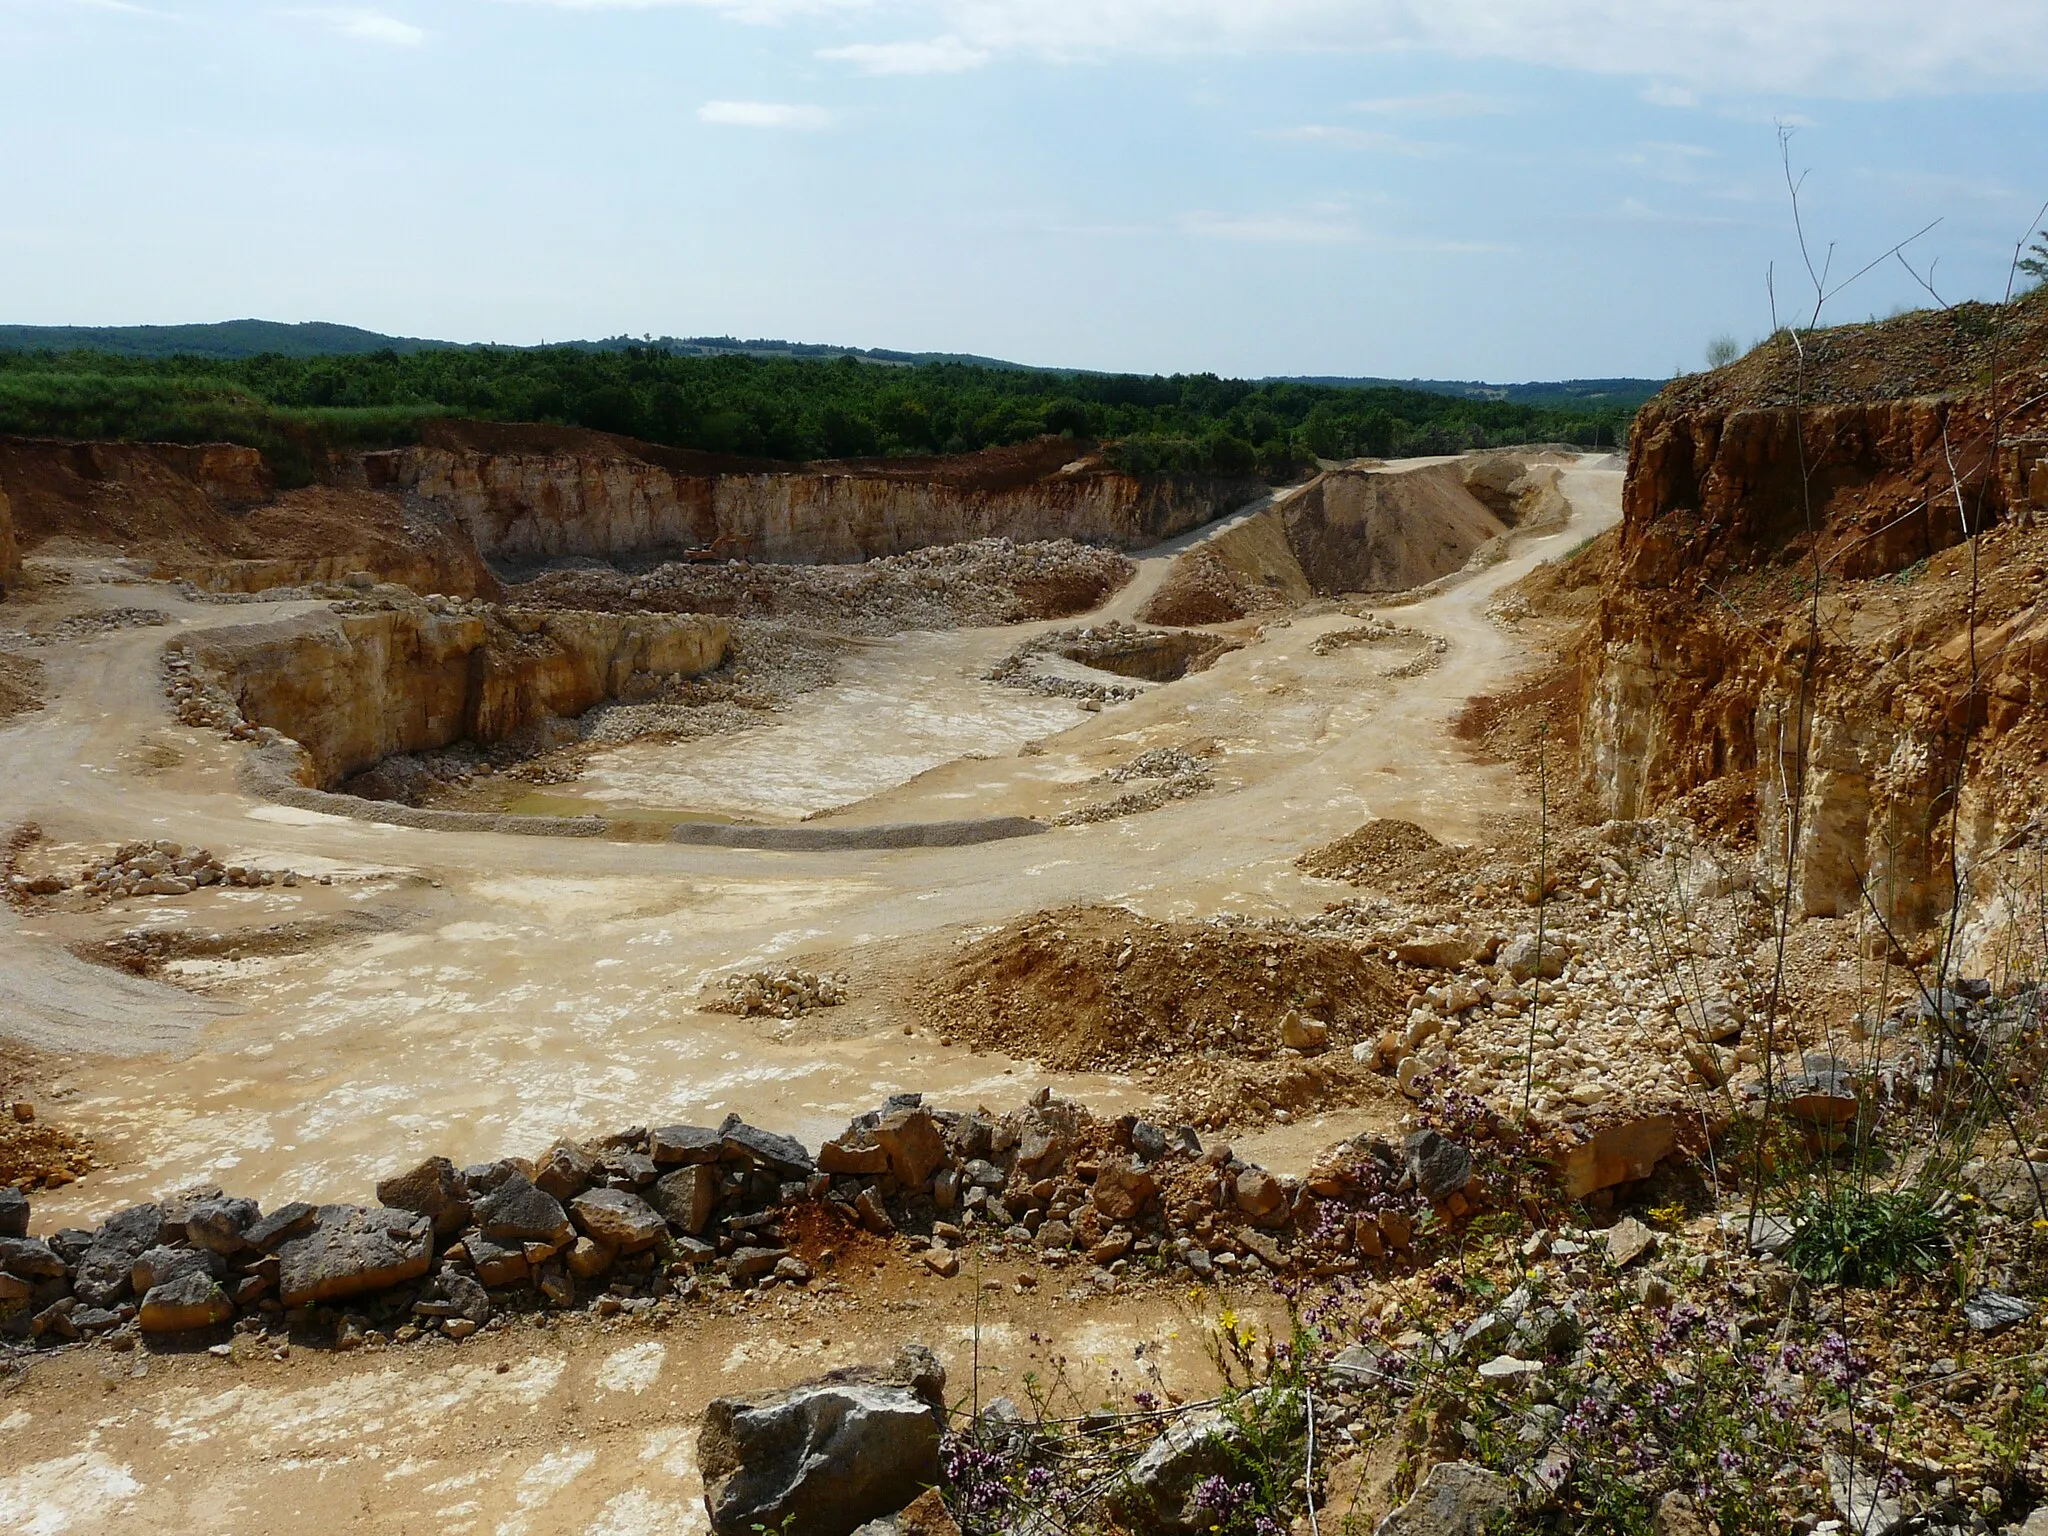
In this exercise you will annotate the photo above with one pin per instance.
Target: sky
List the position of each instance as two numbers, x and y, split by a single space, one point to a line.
1497 189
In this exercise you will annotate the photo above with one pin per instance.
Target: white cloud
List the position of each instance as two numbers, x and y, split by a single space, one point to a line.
1684 48
1361 138
1272 228
932 56
1660 94
762 114
1437 104
370 27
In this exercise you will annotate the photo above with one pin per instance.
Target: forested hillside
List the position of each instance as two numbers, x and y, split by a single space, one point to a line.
782 408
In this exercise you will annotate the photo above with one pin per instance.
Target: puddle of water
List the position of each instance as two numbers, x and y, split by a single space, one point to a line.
904 707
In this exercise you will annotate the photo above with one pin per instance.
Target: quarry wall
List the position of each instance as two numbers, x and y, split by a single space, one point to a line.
10 551
1701 662
355 688
527 508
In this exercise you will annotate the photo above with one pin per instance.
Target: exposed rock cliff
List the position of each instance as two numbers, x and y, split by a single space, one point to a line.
10 551
355 687
212 515
1700 658
527 500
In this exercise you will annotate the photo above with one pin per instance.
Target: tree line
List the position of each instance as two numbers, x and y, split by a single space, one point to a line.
296 408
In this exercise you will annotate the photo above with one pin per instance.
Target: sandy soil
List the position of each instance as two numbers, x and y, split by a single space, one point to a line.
522 988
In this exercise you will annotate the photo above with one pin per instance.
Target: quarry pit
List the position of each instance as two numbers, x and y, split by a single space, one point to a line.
483 804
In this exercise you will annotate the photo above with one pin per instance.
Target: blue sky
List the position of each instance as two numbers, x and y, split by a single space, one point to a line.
1504 189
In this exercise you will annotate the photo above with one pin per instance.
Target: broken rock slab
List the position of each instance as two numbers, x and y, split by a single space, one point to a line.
190 1299
13 1212
913 1144
518 1212
124 1237
1995 1311
783 1155
434 1190
1436 951
621 1221
1619 1152
1457 1498
824 1458
1860 1498
353 1249
1525 963
1439 1166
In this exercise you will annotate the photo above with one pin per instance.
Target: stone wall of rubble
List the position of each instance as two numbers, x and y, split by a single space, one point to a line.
624 1222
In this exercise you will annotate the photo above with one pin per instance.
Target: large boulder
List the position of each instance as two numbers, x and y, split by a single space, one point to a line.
351 1250
824 1458
190 1299
619 1220
915 1147
688 1196
435 1190
1439 1167
518 1212
13 1212
102 1277
1157 1496
1619 1152
782 1155
1457 1498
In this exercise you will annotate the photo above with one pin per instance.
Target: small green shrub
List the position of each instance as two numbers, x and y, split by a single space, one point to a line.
1866 1238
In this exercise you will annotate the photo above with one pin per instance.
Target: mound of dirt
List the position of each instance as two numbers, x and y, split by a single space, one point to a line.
34 1154
1101 988
21 685
1375 851
1382 531
1202 589
1242 570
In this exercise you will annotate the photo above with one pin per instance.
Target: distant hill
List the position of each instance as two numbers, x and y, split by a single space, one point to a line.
231 339
1626 393
225 339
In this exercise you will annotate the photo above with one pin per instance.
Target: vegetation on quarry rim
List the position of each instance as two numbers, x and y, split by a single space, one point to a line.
296 408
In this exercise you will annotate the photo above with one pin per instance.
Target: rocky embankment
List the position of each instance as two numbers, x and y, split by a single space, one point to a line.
212 515
10 548
528 496
1931 648
363 682
622 1220
625 1221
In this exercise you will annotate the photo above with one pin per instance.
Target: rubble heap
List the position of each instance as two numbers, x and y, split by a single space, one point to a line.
645 1215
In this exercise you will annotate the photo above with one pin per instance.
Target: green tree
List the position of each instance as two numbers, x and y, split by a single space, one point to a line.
2035 264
